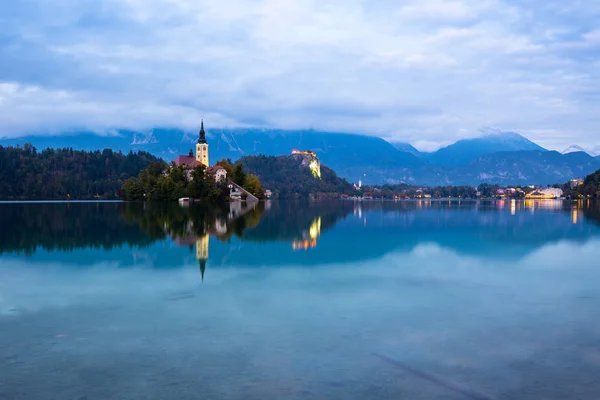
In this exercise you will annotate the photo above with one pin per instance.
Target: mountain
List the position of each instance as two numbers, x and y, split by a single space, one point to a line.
575 149
407 148
524 167
351 156
499 158
467 150
294 176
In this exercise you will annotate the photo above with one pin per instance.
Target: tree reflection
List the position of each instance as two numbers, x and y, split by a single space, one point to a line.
28 227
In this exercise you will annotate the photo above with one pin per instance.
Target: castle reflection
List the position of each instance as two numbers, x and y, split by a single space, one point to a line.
280 232
309 237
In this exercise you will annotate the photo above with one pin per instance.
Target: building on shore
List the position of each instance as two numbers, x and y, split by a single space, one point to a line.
545 194
573 183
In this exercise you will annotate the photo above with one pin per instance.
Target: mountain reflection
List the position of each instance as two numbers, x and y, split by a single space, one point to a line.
282 233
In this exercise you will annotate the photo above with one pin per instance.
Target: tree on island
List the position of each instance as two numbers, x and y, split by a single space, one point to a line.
168 182
236 173
163 182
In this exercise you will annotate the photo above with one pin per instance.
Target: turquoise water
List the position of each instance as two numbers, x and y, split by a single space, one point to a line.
291 300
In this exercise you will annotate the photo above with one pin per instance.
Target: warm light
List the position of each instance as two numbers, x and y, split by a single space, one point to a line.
202 247
315 228
304 153
313 234
315 168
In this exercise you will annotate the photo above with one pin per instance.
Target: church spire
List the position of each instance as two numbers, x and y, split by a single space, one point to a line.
202 268
202 138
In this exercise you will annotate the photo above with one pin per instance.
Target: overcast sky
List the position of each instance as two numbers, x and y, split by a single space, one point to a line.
423 71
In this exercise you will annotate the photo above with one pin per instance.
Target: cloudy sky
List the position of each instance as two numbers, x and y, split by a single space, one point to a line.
424 71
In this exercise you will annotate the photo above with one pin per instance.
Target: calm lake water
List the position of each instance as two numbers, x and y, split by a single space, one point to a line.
287 300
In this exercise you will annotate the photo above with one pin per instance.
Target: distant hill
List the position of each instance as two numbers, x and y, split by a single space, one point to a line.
575 149
349 155
407 148
495 158
466 150
288 176
523 167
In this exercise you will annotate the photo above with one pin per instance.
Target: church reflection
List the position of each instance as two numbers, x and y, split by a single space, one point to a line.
288 232
220 227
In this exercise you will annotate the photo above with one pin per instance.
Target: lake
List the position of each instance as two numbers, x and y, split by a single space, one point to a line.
300 300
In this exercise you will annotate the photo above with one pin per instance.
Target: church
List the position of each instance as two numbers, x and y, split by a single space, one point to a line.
201 158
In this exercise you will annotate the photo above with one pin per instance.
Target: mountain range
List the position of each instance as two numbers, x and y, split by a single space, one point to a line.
504 158
576 149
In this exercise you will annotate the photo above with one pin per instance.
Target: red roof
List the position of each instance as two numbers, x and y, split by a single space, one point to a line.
186 241
187 160
213 170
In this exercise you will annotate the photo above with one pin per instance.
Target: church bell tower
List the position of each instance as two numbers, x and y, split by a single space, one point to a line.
202 252
202 147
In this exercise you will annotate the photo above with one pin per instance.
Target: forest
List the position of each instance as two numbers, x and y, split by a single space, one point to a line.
286 178
591 186
61 174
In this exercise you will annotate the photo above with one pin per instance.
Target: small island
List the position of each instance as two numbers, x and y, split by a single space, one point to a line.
191 178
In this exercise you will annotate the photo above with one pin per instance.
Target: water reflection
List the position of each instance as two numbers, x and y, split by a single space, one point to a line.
314 232
479 294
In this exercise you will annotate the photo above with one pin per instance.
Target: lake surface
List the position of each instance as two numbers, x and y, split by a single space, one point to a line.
292 300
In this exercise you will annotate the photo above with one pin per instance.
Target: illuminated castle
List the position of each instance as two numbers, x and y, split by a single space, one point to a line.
309 160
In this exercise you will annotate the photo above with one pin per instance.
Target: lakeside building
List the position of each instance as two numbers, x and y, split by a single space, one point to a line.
545 194
573 183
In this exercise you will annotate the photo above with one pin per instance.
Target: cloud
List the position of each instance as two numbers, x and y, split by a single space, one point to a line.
426 71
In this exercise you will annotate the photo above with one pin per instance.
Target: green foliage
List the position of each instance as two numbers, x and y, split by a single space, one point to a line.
162 182
253 185
287 178
590 187
58 174
238 175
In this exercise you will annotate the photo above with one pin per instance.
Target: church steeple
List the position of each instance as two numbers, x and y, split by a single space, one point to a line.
202 147
202 268
202 138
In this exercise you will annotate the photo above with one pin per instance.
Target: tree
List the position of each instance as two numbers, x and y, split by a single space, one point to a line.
238 175
252 184
57 174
